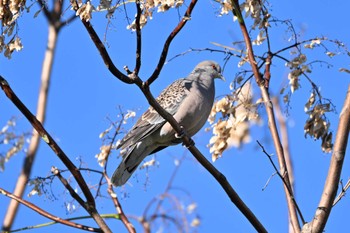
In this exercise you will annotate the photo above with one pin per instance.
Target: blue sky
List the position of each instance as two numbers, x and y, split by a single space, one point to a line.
84 94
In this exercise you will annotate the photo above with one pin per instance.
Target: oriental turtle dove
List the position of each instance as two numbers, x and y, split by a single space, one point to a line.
188 100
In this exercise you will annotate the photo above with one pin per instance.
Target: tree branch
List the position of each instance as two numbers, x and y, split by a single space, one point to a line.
118 207
89 205
271 117
285 144
35 139
138 39
188 142
47 214
104 54
290 191
168 41
331 185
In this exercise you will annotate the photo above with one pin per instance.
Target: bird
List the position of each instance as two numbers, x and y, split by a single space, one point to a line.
189 100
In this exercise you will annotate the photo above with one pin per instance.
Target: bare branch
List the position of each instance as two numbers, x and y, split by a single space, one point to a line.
89 205
105 216
188 142
342 193
271 117
331 185
285 144
47 214
104 54
172 35
47 138
138 39
290 191
118 207
35 139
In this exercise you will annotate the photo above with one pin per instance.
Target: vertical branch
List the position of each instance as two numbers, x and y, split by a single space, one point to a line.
138 39
285 144
271 117
35 139
118 207
331 185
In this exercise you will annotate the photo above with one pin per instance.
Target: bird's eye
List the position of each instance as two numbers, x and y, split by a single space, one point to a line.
214 67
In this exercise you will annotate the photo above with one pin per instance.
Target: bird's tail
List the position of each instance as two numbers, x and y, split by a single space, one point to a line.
121 175
127 167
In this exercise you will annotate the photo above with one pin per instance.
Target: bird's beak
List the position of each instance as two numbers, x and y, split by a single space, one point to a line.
221 77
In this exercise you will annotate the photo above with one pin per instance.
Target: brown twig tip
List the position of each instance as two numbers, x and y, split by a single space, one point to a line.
3 82
127 70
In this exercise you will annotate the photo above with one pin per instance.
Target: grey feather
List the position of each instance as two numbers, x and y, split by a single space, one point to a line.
189 100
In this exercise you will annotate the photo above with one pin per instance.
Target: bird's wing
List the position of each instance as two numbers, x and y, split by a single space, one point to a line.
170 99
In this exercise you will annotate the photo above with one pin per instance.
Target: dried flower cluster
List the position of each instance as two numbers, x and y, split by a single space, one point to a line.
37 187
14 44
103 155
298 67
317 125
109 145
150 163
254 10
14 142
148 6
10 10
85 11
232 129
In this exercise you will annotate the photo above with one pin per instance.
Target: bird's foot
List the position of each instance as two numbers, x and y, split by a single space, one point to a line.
181 134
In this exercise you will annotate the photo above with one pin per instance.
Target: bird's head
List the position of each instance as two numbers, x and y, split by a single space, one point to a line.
210 67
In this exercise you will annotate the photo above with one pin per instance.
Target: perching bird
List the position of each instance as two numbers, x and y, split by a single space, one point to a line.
189 100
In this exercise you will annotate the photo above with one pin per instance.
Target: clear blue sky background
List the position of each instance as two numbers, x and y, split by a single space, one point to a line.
83 94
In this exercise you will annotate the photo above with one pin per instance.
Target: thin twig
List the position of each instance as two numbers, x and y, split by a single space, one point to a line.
105 216
342 193
168 41
268 181
283 180
285 144
47 214
72 192
118 207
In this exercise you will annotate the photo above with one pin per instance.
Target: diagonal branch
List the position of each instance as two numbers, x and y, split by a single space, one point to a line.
48 139
290 191
331 185
89 205
220 178
168 41
47 214
104 54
